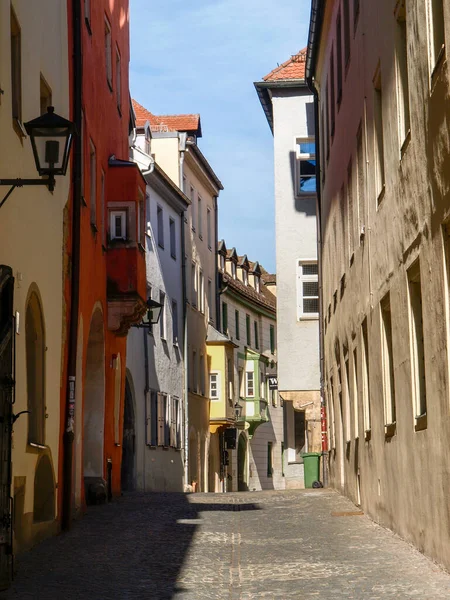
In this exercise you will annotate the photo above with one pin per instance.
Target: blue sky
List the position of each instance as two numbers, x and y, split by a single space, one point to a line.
202 56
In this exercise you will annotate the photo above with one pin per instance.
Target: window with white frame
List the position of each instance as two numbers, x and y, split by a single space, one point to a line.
307 289
201 292
118 224
249 384
173 241
214 386
244 277
233 269
306 167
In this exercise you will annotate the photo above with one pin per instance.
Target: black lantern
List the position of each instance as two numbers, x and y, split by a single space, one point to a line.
238 410
51 138
153 314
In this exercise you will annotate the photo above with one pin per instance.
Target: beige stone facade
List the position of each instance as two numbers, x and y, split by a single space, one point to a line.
381 72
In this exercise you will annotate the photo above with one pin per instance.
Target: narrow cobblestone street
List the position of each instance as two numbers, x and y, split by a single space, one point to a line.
295 544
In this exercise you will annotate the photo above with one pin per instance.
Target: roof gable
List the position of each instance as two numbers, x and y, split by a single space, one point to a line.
294 68
161 123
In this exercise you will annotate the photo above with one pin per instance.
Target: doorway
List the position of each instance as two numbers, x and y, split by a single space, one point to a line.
128 469
242 464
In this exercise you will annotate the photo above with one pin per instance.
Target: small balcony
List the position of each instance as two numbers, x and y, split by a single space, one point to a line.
125 252
253 415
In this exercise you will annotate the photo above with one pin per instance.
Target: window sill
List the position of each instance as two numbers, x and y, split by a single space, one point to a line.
312 317
390 430
34 447
368 435
405 144
19 129
421 423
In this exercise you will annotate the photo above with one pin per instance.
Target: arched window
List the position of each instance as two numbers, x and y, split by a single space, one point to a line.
35 356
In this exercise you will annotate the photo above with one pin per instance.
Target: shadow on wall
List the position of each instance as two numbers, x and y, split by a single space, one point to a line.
136 548
266 432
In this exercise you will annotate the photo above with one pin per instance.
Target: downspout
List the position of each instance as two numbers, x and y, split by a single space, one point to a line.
182 148
316 20
68 436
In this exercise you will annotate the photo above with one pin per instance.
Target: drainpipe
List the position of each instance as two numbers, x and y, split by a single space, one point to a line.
317 9
68 436
182 148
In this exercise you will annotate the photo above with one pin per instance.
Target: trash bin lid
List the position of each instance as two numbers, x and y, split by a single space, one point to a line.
306 454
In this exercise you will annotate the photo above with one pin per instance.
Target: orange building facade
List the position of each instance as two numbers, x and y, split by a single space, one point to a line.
105 287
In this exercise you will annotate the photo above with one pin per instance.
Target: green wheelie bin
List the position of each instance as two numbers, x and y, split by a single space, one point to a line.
311 461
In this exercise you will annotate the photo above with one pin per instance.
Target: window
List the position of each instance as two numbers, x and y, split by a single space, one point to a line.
236 324
193 213
202 374
16 73
269 459
355 13
256 334
339 57
201 292
118 81
173 243
365 374
222 262
257 284
45 96
102 206
164 420
355 395
332 95
436 27
108 50
87 14
387 359
160 225
199 216
208 227
224 318
176 433
249 384
346 32
147 141
193 285
401 56
118 224
35 362
272 339
141 218
148 227
162 316
151 419
233 269
247 323
417 345
93 183
174 322
214 386
244 277
350 209
306 166
379 141
194 372
262 386
307 289
210 301
360 181
230 379
348 401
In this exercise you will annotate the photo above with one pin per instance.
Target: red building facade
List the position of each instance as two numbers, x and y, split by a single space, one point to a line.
105 275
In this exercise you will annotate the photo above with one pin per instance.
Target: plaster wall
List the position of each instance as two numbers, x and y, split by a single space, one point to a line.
165 148
159 469
399 474
295 230
31 238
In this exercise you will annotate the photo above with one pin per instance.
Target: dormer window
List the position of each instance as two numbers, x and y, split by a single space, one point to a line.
233 270
257 284
147 142
118 224
244 277
222 262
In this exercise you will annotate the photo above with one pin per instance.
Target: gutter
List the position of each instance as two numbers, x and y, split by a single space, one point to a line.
68 435
315 29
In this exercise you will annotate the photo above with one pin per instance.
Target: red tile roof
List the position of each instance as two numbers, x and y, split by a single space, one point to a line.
294 68
166 122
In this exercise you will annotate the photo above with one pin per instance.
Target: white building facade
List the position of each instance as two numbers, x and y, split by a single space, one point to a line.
289 109
154 399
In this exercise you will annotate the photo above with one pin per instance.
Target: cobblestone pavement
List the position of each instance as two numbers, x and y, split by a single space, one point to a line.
266 545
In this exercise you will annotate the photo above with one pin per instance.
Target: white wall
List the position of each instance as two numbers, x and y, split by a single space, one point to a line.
295 228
